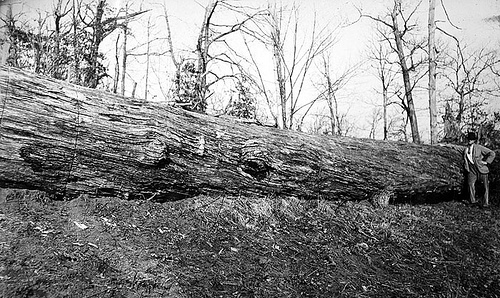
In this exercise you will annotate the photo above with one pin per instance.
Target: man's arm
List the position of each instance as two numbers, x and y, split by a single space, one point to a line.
489 154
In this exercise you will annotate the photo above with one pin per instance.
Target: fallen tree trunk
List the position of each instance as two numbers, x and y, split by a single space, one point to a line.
68 140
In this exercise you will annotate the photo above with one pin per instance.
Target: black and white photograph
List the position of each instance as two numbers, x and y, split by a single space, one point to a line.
249 148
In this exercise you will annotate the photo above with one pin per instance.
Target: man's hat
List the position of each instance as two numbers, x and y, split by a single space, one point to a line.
471 136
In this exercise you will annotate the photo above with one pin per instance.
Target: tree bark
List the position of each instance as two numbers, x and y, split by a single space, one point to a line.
4 34
405 71
124 49
97 37
70 140
74 74
432 72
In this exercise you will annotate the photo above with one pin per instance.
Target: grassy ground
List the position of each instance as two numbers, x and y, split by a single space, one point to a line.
245 247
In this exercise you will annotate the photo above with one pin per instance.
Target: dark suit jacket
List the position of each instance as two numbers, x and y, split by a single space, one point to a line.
481 157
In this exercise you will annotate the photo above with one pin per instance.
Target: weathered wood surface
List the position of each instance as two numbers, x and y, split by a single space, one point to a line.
69 140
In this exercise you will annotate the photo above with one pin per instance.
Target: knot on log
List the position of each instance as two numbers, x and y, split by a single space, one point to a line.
27 153
255 160
42 158
258 169
156 154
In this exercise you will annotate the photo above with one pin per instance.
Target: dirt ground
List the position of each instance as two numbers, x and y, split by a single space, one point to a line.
245 247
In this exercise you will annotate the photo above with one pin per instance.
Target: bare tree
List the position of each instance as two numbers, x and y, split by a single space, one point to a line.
33 43
178 82
17 40
139 50
258 83
376 116
169 40
399 25
328 87
5 15
58 58
125 29
39 44
196 75
74 71
96 24
116 77
319 123
67 47
432 72
470 76
293 58
95 19
384 66
148 52
36 41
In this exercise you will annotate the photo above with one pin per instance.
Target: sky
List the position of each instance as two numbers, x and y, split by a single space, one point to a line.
358 97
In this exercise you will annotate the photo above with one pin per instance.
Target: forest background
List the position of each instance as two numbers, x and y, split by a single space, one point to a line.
329 67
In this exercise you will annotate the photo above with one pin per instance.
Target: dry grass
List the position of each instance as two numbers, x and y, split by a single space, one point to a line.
245 247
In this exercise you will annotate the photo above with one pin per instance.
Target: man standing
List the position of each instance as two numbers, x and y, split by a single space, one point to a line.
477 158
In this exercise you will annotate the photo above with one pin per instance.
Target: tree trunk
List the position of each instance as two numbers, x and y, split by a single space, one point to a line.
124 53
385 104
74 74
4 34
405 71
432 73
55 68
146 77
116 76
97 38
202 47
69 140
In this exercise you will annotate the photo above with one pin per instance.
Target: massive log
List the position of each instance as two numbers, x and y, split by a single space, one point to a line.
68 140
